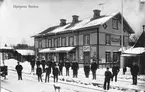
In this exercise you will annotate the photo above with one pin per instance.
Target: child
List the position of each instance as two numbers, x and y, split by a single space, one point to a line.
108 76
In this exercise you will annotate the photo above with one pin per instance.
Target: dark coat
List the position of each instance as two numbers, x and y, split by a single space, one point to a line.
48 70
67 65
43 62
94 66
75 66
38 63
115 69
60 64
39 71
134 69
19 68
108 75
55 71
86 68
32 62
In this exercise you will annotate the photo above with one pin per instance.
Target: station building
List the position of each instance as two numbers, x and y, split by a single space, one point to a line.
98 37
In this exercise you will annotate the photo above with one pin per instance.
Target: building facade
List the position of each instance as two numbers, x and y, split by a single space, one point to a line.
96 38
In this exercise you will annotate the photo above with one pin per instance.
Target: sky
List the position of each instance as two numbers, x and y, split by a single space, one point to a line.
17 25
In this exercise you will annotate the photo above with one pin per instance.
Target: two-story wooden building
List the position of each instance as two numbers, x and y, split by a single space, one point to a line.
96 38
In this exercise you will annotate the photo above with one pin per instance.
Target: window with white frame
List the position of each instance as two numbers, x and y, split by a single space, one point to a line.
63 41
108 39
55 42
108 56
71 41
86 39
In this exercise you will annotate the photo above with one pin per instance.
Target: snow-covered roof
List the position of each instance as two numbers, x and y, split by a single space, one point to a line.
61 49
137 50
82 24
8 48
86 23
25 52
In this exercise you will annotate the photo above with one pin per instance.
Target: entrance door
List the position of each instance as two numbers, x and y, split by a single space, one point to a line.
62 56
86 58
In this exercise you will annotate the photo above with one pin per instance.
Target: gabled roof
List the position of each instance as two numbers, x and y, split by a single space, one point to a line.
87 23
140 42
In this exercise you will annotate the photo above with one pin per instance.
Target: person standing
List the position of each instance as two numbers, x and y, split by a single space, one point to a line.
87 70
32 63
38 62
115 70
19 69
61 64
43 62
39 73
48 71
67 66
75 67
55 73
134 72
94 68
124 70
108 76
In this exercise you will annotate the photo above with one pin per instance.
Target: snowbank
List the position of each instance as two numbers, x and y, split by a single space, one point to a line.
11 63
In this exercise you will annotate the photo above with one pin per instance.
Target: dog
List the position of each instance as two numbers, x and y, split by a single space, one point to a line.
57 87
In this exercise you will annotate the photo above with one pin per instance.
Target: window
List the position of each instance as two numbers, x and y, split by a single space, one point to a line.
71 41
115 57
108 39
108 56
49 43
86 39
40 43
63 40
59 42
52 43
55 42
115 24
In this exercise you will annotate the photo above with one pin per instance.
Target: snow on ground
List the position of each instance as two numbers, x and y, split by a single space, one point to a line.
4 90
86 81
11 63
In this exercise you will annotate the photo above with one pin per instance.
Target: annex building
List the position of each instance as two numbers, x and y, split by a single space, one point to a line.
98 37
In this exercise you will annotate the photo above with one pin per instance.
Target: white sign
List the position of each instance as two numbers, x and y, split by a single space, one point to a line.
86 48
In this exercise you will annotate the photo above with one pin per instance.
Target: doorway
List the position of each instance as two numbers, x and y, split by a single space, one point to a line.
62 56
86 58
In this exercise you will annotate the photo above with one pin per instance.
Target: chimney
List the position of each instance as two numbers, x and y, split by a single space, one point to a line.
96 14
75 19
62 22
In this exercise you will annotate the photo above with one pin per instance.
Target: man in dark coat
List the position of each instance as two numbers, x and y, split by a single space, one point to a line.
134 72
67 66
75 67
108 76
48 71
115 70
39 73
61 64
94 68
124 70
87 70
38 62
32 63
43 62
55 73
19 69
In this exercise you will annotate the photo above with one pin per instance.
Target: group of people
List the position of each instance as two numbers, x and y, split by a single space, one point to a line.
57 69
134 69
